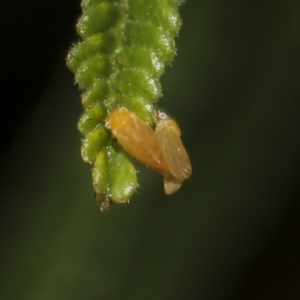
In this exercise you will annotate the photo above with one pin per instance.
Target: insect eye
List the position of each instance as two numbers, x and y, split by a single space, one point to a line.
107 124
162 115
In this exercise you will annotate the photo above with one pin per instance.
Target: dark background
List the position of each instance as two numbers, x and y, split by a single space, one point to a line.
231 232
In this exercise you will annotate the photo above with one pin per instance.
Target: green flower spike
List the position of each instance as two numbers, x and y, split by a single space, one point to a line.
125 47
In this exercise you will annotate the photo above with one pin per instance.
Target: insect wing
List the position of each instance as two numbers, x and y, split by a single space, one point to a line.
139 140
171 184
177 158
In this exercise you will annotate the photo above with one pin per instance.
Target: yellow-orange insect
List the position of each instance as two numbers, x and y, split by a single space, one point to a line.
138 139
178 162
161 150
